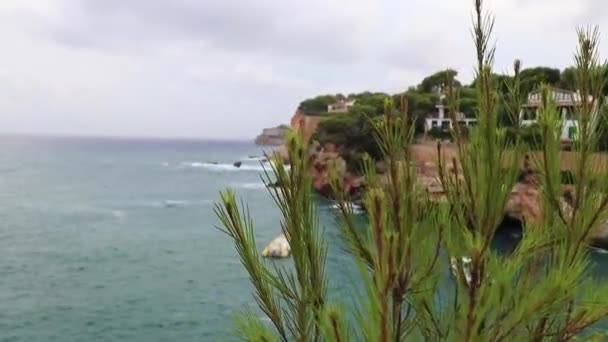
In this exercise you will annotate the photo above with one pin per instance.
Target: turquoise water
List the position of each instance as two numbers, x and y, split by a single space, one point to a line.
114 240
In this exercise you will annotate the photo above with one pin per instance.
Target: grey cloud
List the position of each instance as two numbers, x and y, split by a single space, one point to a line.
257 26
227 68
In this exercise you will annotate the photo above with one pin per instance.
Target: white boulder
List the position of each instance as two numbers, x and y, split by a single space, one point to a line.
277 248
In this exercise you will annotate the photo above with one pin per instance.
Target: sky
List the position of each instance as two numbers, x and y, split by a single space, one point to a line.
225 69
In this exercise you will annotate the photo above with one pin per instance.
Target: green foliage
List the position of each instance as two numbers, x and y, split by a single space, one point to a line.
529 135
468 101
568 79
499 80
437 81
294 301
355 161
439 134
603 129
369 103
532 78
353 131
318 104
541 291
420 105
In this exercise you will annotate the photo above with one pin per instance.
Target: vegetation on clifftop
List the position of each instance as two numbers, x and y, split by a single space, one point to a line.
353 130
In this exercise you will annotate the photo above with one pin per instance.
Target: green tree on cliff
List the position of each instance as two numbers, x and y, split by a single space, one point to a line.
319 103
541 291
533 78
437 81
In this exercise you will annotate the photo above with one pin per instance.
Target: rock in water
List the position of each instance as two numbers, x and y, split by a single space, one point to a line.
600 237
277 248
237 164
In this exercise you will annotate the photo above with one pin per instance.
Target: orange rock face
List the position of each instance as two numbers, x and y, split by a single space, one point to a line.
307 124
523 203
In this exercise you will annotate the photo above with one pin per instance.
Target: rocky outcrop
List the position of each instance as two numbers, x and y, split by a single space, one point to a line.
324 159
274 136
600 238
524 202
277 248
307 124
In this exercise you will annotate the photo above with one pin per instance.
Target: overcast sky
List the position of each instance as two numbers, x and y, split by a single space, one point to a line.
228 68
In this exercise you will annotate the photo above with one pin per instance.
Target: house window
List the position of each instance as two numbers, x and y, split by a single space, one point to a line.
445 125
529 114
572 133
434 123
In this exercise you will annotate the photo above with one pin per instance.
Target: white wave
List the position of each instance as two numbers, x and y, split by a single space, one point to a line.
196 164
164 203
175 203
228 167
599 250
257 158
357 209
118 214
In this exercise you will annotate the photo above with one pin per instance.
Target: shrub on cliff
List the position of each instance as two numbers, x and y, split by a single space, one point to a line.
318 104
351 131
541 291
369 103
530 135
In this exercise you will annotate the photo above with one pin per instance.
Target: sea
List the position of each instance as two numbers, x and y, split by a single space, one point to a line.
116 239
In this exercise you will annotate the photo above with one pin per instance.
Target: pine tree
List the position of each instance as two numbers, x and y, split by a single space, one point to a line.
541 291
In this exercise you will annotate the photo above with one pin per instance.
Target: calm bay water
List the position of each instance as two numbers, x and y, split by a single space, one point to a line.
114 240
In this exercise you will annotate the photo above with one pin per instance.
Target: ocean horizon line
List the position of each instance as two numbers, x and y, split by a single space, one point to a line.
135 138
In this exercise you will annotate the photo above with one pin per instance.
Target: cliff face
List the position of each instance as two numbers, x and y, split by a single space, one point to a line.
305 123
323 158
272 136
299 121
523 204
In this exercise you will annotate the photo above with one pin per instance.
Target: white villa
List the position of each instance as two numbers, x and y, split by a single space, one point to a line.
441 120
341 106
566 102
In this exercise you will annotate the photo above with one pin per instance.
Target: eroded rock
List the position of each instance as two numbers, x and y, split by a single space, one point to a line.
277 248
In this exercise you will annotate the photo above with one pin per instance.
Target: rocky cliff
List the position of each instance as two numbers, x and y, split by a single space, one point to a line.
274 136
307 124
523 204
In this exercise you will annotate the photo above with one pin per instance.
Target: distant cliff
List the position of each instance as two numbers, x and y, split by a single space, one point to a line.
274 136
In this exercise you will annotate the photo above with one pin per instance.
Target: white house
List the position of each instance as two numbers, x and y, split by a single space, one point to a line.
441 120
567 101
340 106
